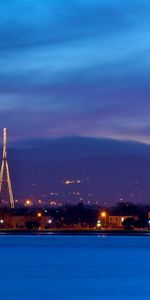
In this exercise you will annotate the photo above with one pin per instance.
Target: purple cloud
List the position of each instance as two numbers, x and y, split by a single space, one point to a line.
75 68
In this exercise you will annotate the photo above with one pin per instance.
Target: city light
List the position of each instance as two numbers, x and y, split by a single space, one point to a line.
78 181
39 215
53 203
28 203
98 223
103 214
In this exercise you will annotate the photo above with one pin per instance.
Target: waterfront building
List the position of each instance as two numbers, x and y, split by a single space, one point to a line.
116 221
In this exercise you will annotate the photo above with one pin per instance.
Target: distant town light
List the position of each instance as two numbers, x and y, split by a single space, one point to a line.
53 203
39 215
68 181
28 203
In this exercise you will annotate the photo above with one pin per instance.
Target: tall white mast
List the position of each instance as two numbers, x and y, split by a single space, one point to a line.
5 168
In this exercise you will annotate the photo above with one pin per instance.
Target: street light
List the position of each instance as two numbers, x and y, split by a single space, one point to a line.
39 215
103 217
103 214
98 224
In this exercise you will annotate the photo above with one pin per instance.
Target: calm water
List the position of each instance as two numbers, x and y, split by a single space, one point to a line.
74 267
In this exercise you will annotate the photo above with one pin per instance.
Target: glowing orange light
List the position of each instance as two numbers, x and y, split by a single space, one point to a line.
103 214
28 203
39 215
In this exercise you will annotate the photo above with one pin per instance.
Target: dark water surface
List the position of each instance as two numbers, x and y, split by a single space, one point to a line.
74 267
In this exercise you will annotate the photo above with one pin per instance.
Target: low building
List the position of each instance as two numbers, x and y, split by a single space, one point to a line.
23 221
116 221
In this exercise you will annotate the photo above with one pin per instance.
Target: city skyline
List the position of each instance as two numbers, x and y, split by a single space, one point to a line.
75 68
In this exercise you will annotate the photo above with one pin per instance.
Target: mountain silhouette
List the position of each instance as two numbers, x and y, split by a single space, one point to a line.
109 170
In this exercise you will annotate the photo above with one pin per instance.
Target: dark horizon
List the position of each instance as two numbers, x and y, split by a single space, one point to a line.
115 170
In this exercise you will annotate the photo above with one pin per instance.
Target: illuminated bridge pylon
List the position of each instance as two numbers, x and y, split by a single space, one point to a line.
4 173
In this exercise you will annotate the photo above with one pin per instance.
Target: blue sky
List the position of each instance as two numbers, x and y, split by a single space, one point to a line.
75 68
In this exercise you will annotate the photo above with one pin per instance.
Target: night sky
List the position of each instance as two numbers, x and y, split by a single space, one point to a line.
75 68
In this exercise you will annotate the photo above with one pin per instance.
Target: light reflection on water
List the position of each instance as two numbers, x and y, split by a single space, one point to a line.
74 267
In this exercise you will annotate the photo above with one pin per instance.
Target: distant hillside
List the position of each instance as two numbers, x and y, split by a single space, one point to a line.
110 169
73 148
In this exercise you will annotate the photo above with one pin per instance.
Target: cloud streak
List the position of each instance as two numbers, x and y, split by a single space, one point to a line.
75 68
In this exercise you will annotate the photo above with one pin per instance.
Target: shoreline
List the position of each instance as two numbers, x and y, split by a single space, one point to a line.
77 232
